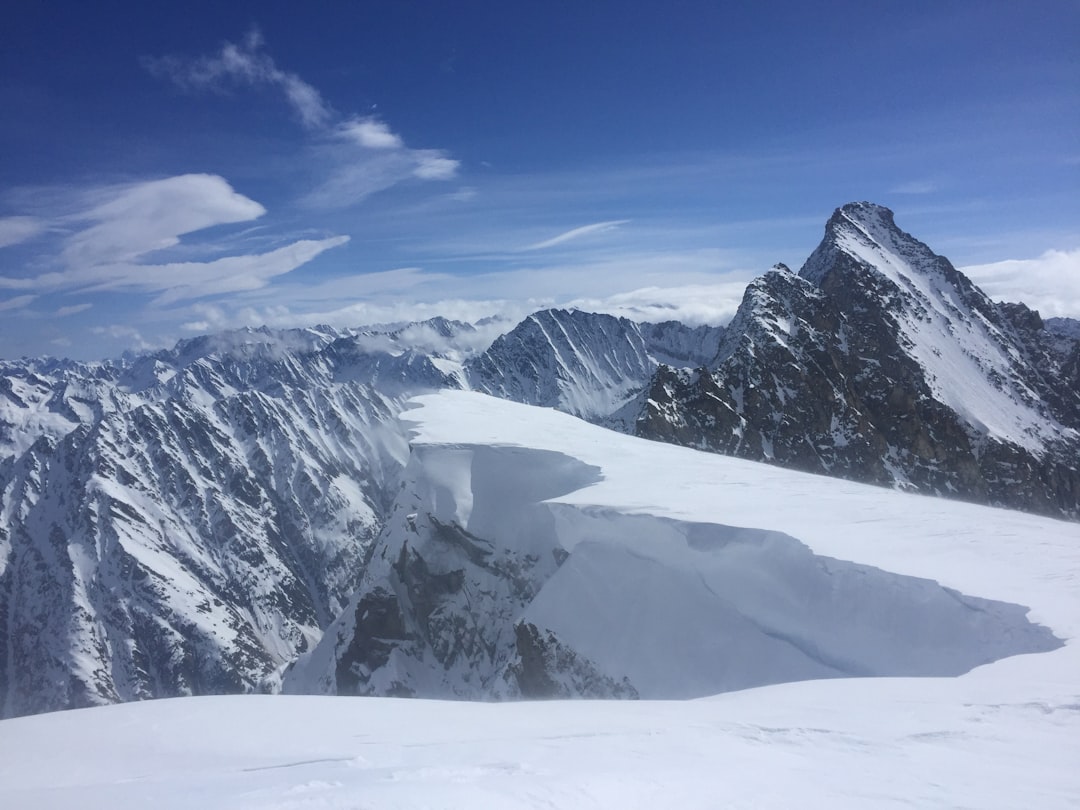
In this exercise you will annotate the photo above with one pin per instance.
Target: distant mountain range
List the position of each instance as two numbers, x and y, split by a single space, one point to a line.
191 521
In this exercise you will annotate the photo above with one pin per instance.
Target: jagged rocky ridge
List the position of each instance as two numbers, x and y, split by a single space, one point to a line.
589 365
880 362
187 522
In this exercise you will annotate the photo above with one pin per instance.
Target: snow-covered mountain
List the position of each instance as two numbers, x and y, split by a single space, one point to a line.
187 522
190 521
592 366
881 362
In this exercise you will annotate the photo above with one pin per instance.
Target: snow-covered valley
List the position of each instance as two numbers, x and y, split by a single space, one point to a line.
1001 731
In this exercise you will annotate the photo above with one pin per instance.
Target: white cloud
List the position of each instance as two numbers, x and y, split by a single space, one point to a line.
433 165
178 281
575 233
153 215
362 155
592 278
14 230
353 176
709 304
245 63
18 302
1049 283
74 309
130 223
370 133
697 287
8 283
187 280
366 313
128 335
696 304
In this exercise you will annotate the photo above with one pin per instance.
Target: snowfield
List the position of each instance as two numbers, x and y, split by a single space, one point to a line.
878 581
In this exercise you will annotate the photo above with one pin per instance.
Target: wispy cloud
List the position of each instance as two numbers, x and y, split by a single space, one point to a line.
699 287
115 241
143 217
370 133
431 164
14 230
228 275
358 155
244 63
129 335
693 304
354 169
1049 283
577 233
74 309
18 302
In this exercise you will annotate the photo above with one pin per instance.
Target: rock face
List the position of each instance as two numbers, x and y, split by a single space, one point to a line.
438 607
880 362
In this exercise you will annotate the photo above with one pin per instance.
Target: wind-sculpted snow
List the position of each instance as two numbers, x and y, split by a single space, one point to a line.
841 744
507 569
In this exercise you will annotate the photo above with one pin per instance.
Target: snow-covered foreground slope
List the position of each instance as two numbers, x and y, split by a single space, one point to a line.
836 744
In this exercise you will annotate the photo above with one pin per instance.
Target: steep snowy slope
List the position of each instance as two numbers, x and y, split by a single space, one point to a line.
881 362
531 554
187 522
592 366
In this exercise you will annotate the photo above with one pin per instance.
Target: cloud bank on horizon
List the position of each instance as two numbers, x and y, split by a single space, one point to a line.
268 196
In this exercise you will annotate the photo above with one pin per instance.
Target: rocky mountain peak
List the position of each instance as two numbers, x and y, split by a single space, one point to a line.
881 362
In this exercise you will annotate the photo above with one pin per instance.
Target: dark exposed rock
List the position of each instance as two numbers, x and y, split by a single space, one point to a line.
829 372
545 668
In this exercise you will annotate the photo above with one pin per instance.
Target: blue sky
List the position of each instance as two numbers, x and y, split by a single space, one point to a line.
173 168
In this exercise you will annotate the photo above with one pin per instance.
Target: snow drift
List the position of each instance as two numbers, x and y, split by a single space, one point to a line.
504 572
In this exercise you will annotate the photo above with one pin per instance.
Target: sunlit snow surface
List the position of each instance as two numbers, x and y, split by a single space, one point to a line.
1004 735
